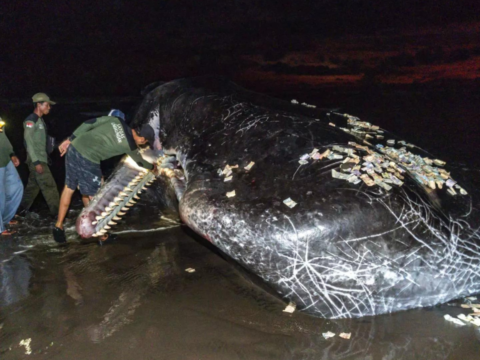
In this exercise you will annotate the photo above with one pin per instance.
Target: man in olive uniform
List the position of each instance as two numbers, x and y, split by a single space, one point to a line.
94 141
40 178
11 186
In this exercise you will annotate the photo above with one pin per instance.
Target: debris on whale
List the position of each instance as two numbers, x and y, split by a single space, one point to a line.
338 215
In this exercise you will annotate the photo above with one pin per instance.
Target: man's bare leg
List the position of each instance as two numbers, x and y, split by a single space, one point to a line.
65 200
86 200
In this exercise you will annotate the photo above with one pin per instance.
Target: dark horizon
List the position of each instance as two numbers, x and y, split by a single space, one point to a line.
115 48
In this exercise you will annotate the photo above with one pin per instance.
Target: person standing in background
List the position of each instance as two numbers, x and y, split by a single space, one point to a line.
40 178
11 186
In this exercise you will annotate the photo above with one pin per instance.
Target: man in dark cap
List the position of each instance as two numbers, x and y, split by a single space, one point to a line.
35 135
94 141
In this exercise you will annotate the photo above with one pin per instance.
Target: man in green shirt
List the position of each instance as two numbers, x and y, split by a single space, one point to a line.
94 141
40 178
11 186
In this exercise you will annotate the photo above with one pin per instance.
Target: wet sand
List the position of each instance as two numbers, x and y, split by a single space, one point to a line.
133 299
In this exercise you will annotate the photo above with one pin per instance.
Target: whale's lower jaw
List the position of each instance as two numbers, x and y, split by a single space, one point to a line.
121 191
114 199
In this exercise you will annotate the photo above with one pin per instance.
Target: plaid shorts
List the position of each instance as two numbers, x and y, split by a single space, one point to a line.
82 173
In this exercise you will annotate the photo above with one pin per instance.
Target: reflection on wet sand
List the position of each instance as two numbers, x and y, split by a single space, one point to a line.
14 279
134 299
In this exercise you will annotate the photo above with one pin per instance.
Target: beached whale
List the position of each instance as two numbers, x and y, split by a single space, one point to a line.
339 216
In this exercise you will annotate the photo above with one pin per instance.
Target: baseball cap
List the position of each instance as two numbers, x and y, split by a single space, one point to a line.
117 113
147 132
42 97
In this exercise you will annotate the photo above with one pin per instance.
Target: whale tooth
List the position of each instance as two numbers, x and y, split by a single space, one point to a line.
121 213
104 213
125 208
95 235
129 205
108 209
123 194
107 227
99 217
94 222
136 197
112 223
116 218
112 204
132 202
118 199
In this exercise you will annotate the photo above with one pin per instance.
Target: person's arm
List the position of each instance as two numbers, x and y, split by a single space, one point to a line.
137 157
89 125
4 138
11 153
29 132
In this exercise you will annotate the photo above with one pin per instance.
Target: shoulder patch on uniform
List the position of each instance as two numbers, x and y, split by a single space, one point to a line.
29 124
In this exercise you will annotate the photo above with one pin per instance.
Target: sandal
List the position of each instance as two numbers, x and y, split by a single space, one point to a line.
59 235
13 222
8 232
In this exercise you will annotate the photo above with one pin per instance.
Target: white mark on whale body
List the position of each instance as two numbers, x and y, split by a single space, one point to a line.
389 275
26 343
154 122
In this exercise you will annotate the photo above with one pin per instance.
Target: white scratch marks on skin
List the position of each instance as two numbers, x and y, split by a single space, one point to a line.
252 123
353 277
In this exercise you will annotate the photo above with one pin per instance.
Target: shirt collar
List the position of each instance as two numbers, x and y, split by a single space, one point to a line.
128 134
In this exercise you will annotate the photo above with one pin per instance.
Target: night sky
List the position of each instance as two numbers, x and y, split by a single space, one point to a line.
93 48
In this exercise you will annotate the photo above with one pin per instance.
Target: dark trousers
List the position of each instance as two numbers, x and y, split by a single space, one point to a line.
43 182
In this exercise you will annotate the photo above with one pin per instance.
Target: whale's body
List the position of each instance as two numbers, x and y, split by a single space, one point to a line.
345 249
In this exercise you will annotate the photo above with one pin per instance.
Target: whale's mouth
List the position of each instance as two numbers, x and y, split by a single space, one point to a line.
119 194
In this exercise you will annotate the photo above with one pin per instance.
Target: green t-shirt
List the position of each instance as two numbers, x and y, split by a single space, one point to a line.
104 137
6 149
